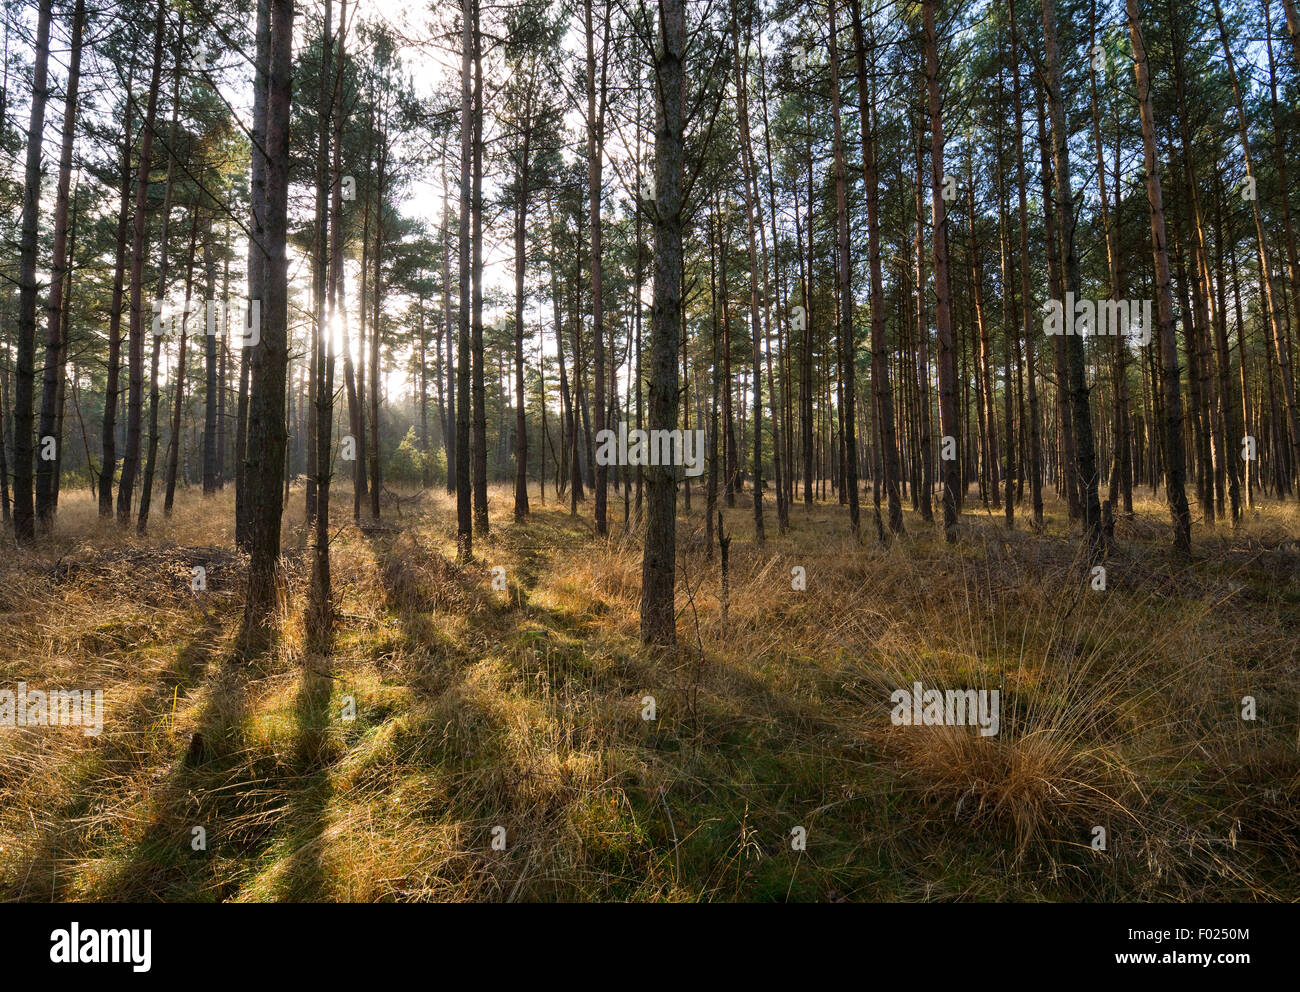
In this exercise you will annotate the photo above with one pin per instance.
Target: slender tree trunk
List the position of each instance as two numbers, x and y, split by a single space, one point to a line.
55 347
595 155
984 356
777 408
464 511
1035 441
711 490
879 358
351 381
361 470
1175 466
924 441
658 624
1273 313
266 423
943 298
1228 394
211 437
173 442
1008 321
806 425
576 459
521 261
1063 462
320 611
638 305
25 387
376 329
1284 186
108 434
479 397
151 456
135 361
1080 412
256 271
755 314
847 349
449 421
731 469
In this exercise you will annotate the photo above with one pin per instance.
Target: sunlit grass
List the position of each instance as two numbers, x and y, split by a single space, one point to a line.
477 709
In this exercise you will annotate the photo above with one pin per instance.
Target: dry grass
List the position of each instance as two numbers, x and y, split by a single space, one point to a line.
477 709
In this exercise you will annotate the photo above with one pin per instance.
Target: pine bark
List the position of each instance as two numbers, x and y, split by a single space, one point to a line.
658 570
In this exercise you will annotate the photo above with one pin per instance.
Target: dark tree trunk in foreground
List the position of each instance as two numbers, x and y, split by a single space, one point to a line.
56 348
320 610
464 505
25 387
267 430
256 270
477 390
658 567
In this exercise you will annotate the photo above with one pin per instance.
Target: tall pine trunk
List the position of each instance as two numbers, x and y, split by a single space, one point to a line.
479 397
320 611
25 386
55 346
658 566
1175 465
464 508
942 291
1085 448
267 429
595 155
847 350
108 434
135 356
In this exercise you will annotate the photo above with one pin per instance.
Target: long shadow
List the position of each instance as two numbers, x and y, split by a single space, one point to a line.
562 671
304 874
498 623
171 861
223 784
67 833
441 665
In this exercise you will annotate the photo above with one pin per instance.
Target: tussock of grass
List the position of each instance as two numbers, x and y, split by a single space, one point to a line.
478 709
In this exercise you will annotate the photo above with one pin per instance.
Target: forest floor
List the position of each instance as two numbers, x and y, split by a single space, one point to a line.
523 709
